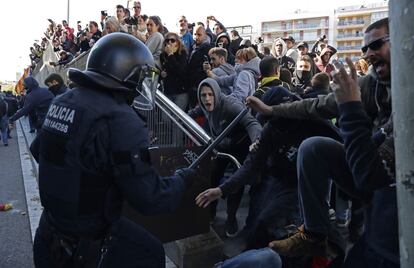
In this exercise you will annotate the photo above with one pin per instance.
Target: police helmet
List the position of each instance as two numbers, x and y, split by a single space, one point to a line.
120 62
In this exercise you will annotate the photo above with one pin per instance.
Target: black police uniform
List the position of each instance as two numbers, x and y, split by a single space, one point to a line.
92 155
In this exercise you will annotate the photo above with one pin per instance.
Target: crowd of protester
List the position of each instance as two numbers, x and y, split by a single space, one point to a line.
210 73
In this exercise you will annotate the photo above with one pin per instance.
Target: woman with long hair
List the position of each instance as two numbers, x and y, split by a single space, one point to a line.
155 38
174 64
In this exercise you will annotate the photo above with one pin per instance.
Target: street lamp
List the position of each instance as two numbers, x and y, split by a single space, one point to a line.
67 18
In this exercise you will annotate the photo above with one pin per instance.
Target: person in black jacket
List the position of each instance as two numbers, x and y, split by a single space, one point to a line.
363 167
12 108
3 119
199 55
174 65
319 86
93 154
37 101
223 41
274 158
56 84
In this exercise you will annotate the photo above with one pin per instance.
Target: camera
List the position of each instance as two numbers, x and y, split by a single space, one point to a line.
259 40
104 13
322 38
131 21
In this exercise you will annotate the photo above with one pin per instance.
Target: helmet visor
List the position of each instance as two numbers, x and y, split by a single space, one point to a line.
146 89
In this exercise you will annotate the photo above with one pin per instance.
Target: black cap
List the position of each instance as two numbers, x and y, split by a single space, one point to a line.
289 38
303 44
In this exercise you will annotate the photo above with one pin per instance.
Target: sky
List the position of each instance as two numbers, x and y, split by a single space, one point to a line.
24 21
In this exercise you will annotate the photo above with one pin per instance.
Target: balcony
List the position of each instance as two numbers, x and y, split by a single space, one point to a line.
272 29
350 36
295 27
351 22
311 26
349 49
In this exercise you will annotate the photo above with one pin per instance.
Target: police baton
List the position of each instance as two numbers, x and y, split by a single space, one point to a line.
218 139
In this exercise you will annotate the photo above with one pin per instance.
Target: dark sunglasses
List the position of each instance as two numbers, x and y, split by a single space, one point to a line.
182 21
375 45
172 40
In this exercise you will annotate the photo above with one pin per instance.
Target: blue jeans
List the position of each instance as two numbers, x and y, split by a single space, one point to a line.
278 209
4 121
321 159
257 258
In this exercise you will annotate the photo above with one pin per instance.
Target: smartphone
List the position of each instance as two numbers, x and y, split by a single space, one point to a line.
337 64
206 59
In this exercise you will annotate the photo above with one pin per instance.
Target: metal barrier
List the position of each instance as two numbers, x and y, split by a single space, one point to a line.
168 125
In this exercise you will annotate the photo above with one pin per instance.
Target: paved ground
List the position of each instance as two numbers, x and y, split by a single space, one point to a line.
18 182
15 234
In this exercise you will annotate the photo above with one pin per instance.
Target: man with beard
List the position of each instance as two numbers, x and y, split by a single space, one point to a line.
364 166
302 75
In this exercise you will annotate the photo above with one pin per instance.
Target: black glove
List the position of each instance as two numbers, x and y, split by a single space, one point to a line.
188 174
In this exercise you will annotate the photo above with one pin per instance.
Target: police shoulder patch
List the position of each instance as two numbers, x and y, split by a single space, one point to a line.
61 119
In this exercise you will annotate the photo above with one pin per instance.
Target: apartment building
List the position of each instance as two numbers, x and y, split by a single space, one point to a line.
350 24
245 31
301 26
344 27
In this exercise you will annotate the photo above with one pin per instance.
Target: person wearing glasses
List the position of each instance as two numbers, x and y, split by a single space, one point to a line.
137 11
363 166
174 65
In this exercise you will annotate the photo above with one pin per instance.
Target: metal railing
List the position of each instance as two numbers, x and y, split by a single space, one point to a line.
168 125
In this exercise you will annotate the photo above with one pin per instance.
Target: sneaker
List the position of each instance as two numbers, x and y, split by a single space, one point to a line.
6 144
300 244
232 228
342 223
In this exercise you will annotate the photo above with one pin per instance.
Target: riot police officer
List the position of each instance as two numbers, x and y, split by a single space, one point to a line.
92 154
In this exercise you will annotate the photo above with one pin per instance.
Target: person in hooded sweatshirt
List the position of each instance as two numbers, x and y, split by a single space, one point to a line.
323 60
244 81
37 101
220 110
302 75
56 84
320 86
279 50
223 41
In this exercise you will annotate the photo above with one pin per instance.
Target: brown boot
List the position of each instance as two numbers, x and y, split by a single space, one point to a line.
300 244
